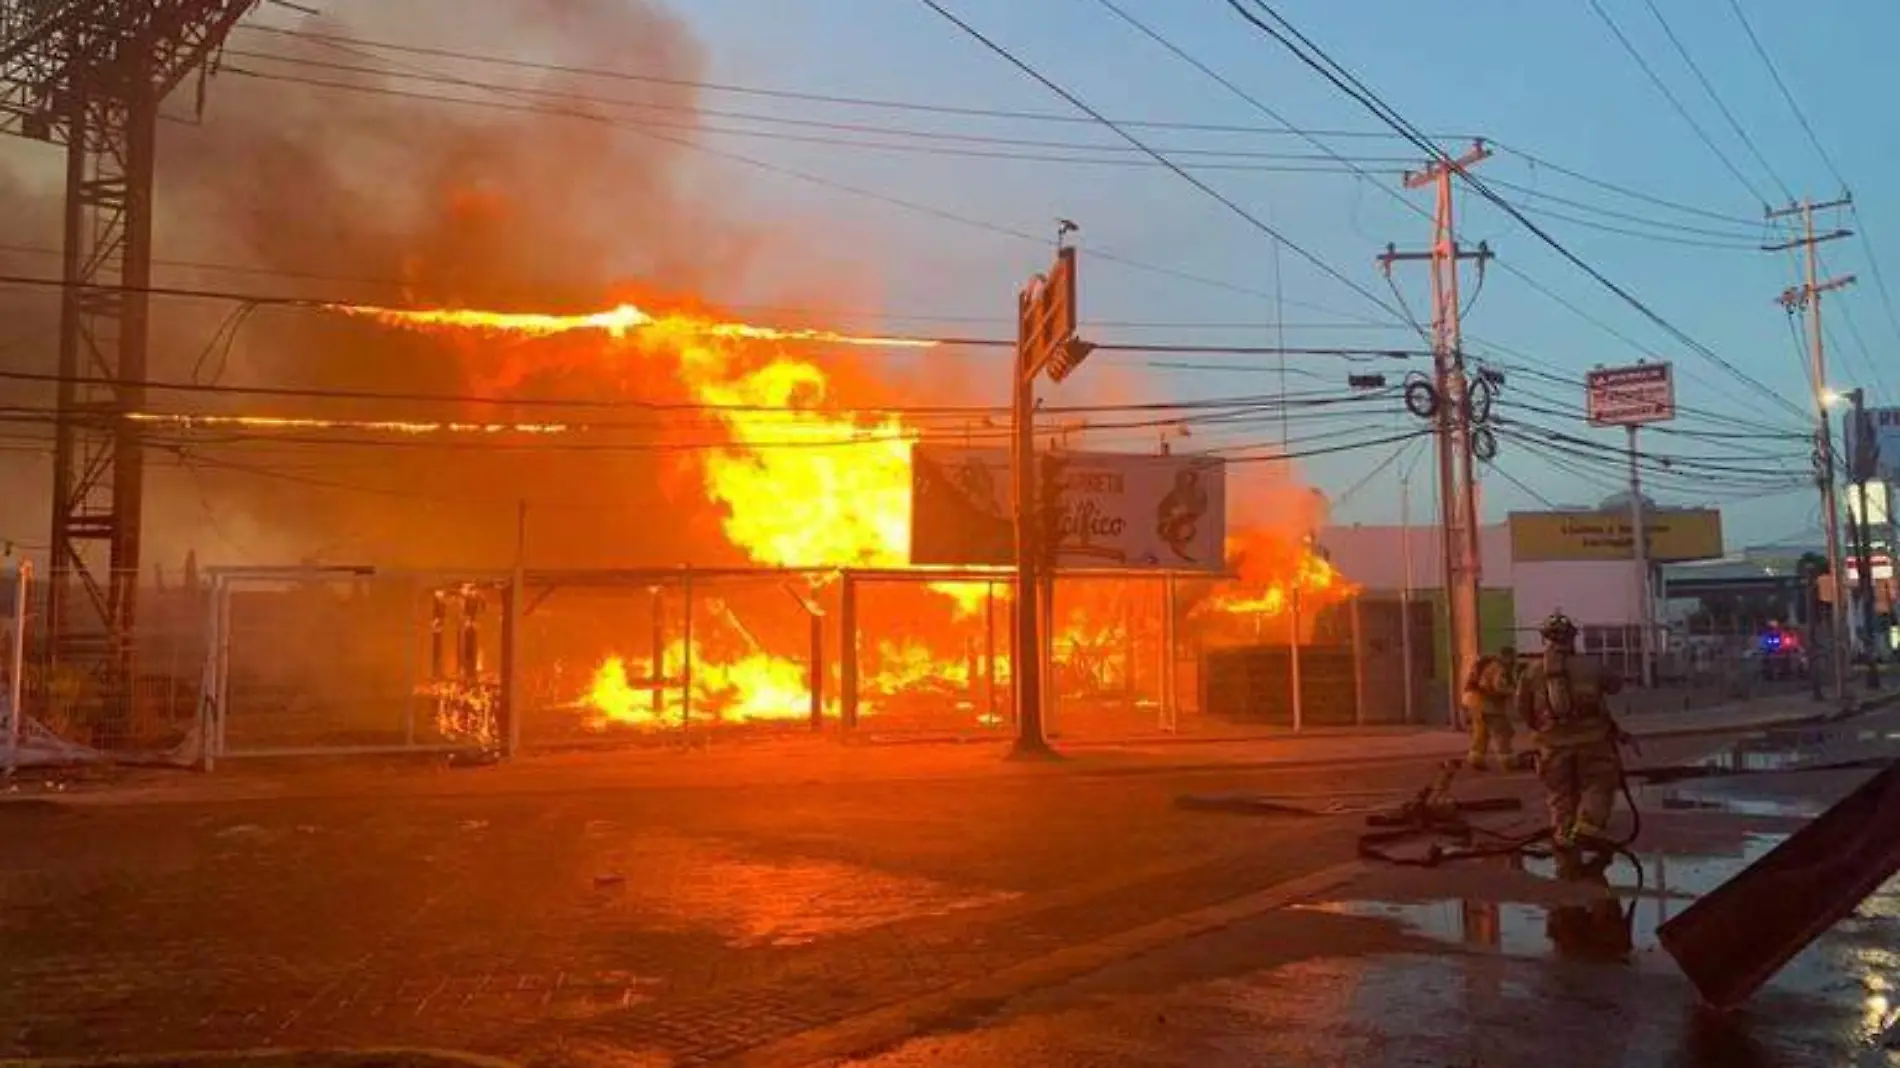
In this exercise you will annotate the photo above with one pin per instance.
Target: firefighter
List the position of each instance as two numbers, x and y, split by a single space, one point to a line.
1487 701
1564 699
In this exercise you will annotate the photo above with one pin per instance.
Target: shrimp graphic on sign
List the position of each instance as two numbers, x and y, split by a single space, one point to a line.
1178 516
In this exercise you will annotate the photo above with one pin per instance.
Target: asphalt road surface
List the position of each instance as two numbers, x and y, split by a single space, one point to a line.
1030 919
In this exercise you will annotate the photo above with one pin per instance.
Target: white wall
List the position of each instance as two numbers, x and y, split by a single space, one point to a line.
1374 556
1590 592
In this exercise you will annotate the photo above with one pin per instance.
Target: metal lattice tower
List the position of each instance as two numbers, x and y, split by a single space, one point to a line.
90 75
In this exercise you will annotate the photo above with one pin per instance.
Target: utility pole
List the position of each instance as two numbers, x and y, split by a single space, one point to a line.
1405 587
1451 412
1808 296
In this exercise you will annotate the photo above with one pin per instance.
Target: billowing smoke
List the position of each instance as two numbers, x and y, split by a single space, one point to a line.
353 191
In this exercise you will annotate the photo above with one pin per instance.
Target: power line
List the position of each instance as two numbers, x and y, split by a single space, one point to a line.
1634 194
1535 194
807 97
699 112
355 46
1251 219
325 304
1669 95
810 139
748 309
1624 231
1364 96
1741 133
1786 94
392 396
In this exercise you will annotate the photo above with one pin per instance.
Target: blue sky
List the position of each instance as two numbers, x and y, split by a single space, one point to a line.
1547 79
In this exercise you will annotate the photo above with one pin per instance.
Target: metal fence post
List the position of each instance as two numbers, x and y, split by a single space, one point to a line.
686 657
16 661
989 654
816 672
1170 700
1358 669
657 675
511 667
848 653
221 707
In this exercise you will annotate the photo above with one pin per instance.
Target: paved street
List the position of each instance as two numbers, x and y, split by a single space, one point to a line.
548 913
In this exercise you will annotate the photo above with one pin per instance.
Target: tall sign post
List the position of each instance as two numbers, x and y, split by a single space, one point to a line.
1045 340
1863 462
1629 397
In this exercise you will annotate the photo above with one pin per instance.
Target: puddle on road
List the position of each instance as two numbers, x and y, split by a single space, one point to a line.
799 901
752 901
1619 915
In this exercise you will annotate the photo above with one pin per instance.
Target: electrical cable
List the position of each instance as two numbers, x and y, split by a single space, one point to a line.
787 94
355 46
1669 95
1384 112
1715 97
1214 194
1544 163
809 139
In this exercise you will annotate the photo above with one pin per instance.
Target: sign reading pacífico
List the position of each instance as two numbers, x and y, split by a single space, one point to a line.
1675 534
1629 396
1115 510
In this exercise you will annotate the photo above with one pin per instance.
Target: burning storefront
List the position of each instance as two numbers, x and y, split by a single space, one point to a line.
859 577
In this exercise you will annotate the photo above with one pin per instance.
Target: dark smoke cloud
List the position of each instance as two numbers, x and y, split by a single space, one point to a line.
365 196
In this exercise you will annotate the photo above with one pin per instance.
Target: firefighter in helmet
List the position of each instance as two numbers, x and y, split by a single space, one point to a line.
1564 698
1487 701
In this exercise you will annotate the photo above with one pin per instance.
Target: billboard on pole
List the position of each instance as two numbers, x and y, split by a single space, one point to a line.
1873 443
1116 510
1675 535
1631 396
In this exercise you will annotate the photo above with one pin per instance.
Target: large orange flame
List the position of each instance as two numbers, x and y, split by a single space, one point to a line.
801 486
805 485
617 322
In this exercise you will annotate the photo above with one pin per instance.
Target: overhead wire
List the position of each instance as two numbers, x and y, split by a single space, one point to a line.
1291 165
356 46
1544 163
1207 190
700 112
1674 102
1741 133
794 95
1349 84
1786 94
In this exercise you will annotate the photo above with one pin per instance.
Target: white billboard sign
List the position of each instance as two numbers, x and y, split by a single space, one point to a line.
1115 509
1885 424
1630 396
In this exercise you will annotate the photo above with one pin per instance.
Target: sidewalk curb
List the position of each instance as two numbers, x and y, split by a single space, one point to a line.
891 1026
1805 719
367 1056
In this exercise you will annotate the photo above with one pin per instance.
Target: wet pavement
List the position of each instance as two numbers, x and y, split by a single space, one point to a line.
1498 962
1053 919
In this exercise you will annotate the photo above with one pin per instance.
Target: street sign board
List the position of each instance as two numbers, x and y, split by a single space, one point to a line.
1115 509
1047 312
1630 396
1675 535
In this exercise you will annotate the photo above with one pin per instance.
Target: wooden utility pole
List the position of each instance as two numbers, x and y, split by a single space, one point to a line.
1795 298
1458 509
